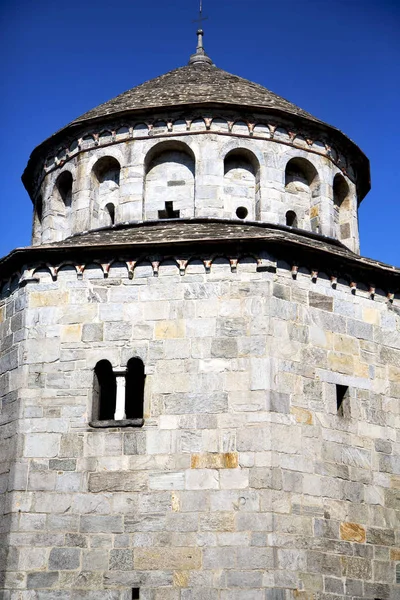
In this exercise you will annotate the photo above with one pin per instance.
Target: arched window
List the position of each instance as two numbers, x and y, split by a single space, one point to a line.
241 184
291 218
61 205
106 174
341 207
169 182
111 211
302 183
134 396
104 392
340 191
64 188
118 394
301 176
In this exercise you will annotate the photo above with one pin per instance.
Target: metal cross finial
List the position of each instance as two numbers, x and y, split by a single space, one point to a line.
200 56
201 18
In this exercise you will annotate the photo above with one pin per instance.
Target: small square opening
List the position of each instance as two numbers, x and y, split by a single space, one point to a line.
342 397
135 593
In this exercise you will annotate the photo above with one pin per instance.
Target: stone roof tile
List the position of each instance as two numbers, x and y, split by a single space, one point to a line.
195 84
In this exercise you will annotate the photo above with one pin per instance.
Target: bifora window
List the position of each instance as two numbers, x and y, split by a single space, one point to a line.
118 394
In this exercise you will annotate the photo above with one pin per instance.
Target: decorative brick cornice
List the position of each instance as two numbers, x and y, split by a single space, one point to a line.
154 243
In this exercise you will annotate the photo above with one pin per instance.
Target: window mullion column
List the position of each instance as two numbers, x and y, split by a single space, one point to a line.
119 414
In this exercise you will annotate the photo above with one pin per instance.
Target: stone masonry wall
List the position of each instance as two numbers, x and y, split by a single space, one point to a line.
244 482
12 470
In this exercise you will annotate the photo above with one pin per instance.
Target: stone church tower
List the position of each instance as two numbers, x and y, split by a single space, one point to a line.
199 374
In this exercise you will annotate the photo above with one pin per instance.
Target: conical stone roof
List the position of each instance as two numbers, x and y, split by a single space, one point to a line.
198 83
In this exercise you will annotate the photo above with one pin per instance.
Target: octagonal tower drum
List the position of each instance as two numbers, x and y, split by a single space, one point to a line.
199 374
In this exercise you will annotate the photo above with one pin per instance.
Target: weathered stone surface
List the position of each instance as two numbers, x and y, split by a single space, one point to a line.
116 482
101 524
209 460
302 415
64 559
380 537
320 301
92 332
167 558
121 560
352 532
42 444
40 580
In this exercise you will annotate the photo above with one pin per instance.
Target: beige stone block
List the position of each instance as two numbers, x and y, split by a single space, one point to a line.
302 415
181 579
1 315
371 315
164 559
215 460
352 532
48 298
165 330
342 363
71 333
304 595
395 554
394 374
314 211
395 482
361 370
345 344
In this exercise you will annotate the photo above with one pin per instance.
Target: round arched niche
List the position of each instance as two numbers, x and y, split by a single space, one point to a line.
241 184
342 213
169 185
301 176
61 205
302 191
105 193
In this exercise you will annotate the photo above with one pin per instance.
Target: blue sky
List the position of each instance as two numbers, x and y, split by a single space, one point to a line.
337 59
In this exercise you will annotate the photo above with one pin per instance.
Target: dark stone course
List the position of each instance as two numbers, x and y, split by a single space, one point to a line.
381 537
64 558
41 580
320 301
62 464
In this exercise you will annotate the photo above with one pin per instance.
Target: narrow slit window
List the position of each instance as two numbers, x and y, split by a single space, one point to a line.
111 211
342 399
135 593
134 395
105 391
